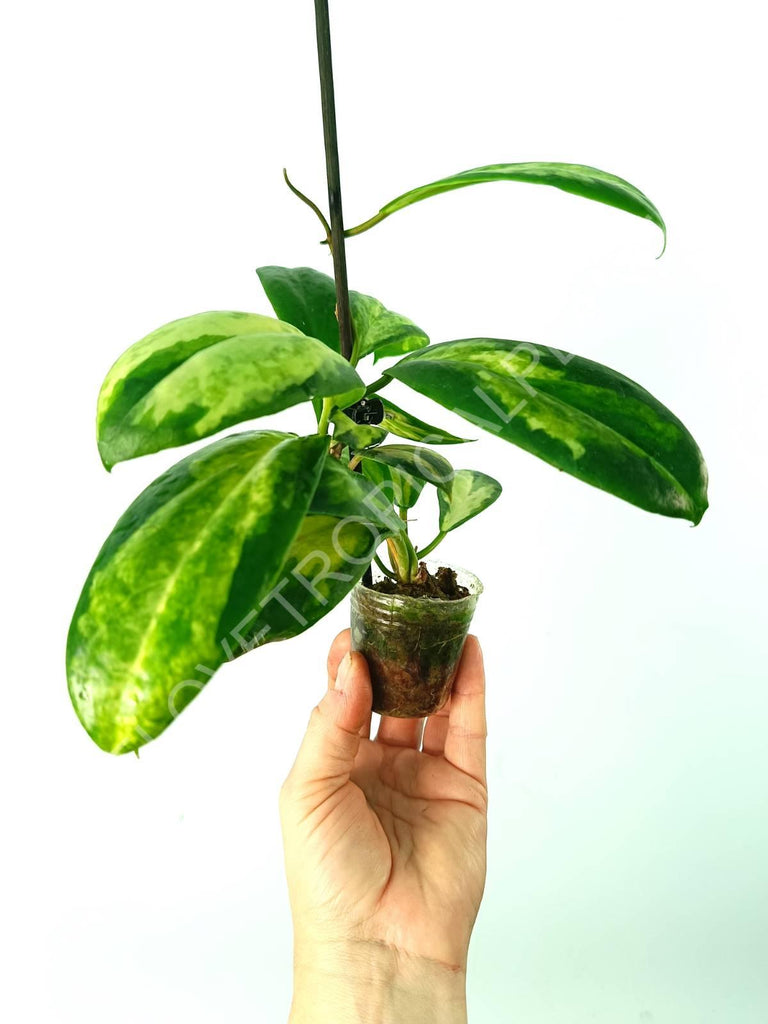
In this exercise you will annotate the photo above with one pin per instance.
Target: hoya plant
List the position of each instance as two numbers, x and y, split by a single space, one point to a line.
255 537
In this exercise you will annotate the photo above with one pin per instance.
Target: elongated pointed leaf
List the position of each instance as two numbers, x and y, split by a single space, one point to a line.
471 493
417 462
578 415
196 376
399 487
347 520
356 435
307 299
404 424
215 528
579 179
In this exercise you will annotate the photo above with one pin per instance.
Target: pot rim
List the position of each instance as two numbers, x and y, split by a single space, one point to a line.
465 577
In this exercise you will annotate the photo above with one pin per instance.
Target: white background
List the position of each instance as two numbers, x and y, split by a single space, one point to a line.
628 848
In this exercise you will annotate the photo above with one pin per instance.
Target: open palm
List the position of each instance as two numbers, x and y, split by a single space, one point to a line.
385 842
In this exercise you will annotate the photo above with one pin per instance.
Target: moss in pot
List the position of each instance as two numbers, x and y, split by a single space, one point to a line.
412 636
255 537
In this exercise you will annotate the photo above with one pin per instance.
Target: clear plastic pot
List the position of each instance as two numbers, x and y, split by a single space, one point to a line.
412 645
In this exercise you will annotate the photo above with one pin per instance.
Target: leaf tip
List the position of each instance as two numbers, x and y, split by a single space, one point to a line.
698 514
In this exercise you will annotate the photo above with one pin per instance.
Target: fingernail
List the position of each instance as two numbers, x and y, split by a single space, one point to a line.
343 672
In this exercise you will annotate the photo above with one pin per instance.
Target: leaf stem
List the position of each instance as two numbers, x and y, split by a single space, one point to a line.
325 63
431 546
366 225
378 384
384 569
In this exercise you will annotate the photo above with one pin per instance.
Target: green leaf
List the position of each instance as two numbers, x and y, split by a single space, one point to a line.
471 493
356 435
579 179
346 522
413 461
195 376
578 415
307 299
404 424
396 486
209 534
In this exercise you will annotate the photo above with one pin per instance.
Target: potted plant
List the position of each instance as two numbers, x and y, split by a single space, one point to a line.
258 535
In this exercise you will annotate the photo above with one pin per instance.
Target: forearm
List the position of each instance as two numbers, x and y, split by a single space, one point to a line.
370 983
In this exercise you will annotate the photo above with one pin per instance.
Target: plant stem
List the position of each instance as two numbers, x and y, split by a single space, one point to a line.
322 22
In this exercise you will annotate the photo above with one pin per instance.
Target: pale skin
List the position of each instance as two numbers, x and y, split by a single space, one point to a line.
385 851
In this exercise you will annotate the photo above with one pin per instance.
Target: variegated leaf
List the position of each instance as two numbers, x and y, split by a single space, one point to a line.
356 435
578 415
418 462
395 485
471 493
404 424
196 376
347 520
211 532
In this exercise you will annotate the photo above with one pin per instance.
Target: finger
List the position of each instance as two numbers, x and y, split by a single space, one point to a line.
329 748
435 730
467 728
339 648
400 732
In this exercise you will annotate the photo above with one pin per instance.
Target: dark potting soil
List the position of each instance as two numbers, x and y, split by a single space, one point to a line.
443 585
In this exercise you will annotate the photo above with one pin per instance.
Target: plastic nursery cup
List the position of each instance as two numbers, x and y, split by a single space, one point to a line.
412 645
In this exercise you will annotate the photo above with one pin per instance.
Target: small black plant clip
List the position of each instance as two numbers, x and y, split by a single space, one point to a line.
367 410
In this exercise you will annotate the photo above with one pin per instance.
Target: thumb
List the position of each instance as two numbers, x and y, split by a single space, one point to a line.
327 753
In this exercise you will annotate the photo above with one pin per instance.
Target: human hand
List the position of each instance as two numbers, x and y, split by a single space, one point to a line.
385 850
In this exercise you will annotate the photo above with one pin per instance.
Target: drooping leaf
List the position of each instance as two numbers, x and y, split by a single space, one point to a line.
214 529
307 299
472 492
356 435
578 415
404 424
418 462
346 522
581 180
195 376
395 485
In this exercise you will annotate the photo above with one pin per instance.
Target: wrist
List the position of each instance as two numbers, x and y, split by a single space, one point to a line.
373 983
